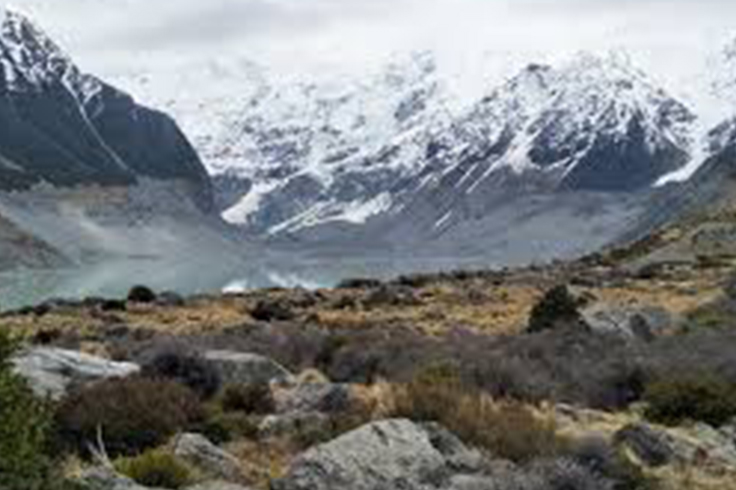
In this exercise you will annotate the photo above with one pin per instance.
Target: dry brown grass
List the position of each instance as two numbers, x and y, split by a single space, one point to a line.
692 478
505 429
262 462
484 308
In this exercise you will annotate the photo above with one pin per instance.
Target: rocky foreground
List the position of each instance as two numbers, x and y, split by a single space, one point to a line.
587 375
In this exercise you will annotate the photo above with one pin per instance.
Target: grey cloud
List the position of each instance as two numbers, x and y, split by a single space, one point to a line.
221 21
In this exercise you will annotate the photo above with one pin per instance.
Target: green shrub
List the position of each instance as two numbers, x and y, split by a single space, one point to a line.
255 398
133 414
703 397
508 430
223 427
24 425
557 306
156 468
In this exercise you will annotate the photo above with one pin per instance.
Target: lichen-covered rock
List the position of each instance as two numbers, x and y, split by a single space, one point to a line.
324 397
200 453
245 368
52 372
382 455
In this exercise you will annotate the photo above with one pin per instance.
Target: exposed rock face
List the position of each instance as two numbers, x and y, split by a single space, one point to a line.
388 454
629 323
65 128
206 457
52 372
244 368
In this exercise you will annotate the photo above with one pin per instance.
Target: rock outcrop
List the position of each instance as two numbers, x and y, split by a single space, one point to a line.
387 454
52 372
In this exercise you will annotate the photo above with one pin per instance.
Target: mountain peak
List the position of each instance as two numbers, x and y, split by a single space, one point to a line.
28 56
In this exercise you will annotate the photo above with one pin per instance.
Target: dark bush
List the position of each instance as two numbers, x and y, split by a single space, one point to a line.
272 310
113 305
133 414
141 294
557 307
359 283
254 398
186 367
47 336
704 397
24 425
156 469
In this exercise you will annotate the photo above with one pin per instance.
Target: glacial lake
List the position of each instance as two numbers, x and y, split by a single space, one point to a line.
114 279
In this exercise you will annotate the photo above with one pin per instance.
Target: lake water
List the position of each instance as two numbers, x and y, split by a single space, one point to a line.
113 279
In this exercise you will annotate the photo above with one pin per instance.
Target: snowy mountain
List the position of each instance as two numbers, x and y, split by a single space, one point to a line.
593 124
314 155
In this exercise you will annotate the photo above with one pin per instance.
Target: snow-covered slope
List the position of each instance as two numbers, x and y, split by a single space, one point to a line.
591 124
315 154
327 150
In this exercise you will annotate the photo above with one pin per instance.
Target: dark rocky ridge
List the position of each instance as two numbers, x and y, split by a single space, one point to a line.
69 129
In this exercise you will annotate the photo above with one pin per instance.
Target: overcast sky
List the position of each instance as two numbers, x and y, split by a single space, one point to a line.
109 36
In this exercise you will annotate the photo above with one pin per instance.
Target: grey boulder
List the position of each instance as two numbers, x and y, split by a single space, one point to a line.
382 455
246 368
200 453
52 372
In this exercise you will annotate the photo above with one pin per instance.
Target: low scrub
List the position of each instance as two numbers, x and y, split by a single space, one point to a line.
157 469
704 397
508 430
131 415
250 399
186 367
